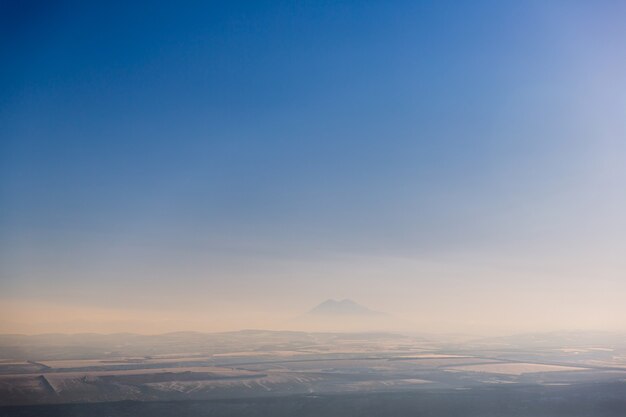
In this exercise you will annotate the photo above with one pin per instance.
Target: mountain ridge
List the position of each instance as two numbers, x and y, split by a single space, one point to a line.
345 307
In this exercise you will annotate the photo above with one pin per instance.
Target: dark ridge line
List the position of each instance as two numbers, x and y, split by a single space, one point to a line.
46 367
47 385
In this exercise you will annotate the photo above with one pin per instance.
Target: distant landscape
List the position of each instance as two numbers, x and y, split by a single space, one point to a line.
256 372
290 208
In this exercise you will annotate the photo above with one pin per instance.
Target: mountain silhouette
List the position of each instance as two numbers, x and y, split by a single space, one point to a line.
344 307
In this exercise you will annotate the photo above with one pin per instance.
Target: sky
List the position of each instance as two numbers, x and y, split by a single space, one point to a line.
223 165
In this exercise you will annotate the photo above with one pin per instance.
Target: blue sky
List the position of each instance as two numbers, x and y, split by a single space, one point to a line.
231 147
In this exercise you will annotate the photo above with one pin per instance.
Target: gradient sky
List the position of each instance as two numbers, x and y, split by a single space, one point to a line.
219 165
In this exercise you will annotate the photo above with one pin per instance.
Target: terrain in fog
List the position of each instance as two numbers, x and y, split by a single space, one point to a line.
254 372
183 185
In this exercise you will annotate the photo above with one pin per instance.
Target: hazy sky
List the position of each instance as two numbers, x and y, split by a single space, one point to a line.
219 165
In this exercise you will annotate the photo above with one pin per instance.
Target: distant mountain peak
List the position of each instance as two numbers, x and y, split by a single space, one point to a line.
345 307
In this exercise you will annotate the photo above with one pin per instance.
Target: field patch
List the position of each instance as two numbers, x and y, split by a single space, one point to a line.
514 368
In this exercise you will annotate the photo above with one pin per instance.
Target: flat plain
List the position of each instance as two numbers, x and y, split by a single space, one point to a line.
240 373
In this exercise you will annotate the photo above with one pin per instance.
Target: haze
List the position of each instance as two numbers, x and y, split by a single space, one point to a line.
230 166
